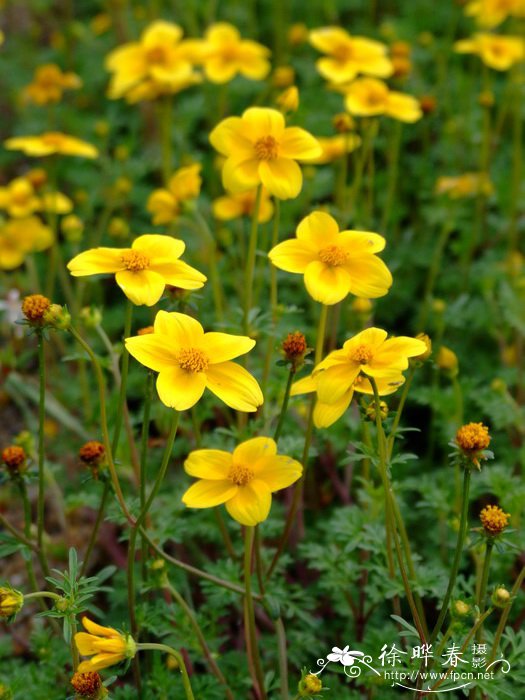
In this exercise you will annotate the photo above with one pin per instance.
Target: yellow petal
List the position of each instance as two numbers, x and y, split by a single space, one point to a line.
325 414
262 121
304 386
335 381
179 274
141 286
207 494
328 285
235 386
293 255
159 248
179 389
152 350
369 277
282 177
319 229
208 464
403 107
96 629
85 643
228 134
221 347
240 175
226 208
100 661
374 337
299 144
250 451
360 242
182 329
278 472
251 504
96 261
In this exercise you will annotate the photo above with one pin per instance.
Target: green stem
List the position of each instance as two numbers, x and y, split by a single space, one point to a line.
168 650
148 396
250 262
397 418
41 450
457 556
284 405
96 527
27 532
249 617
283 658
484 581
505 614
123 378
41 594
393 169
104 424
433 272
215 278
224 533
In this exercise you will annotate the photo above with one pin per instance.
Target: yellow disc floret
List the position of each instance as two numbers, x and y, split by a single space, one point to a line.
34 307
134 260
240 475
473 437
266 148
333 255
494 520
192 360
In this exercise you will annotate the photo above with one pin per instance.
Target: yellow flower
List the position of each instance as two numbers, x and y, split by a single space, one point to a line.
288 100
233 206
143 270
260 149
19 237
243 480
334 147
225 54
156 64
189 360
494 520
184 184
18 198
466 185
49 83
368 97
334 263
349 56
473 439
342 372
490 13
51 143
11 602
105 645
496 51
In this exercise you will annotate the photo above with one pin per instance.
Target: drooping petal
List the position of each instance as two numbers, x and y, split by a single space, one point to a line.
179 274
304 386
395 348
282 177
325 414
328 285
235 386
157 246
369 277
209 493
182 329
100 661
94 628
278 472
403 107
333 382
248 452
208 464
152 350
180 389
293 255
96 261
251 504
141 286
221 347
298 144
85 643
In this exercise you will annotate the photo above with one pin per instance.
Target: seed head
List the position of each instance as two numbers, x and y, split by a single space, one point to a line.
34 308
15 459
494 520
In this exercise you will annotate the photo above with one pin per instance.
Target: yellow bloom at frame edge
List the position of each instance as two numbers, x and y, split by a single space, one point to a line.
189 360
496 51
334 263
259 148
143 270
51 143
244 481
105 645
341 373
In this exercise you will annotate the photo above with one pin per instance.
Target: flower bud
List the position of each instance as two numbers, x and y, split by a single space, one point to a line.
371 414
15 459
91 316
494 520
57 317
501 597
425 355
447 361
343 123
283 76
34 308
294 349
11 602
309 686
288 100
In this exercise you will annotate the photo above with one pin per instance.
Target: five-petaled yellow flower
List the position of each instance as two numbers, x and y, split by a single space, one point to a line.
189 360
49 83
105 645
348 56
334 263
50 144
225 54
259 148
496 51
143 270
341 373
243 480
369 97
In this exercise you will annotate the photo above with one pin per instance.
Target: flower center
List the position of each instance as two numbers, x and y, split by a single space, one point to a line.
333 255
375 98
134 260
343 52
156 55
53 139
266 148
362 354
192 360
240 475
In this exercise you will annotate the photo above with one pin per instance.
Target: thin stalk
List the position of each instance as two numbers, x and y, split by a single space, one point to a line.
215 279
457 556
433 272
397 418
41 451
148 395
505 614
147 646
250 262
190 614
41 594
483 586
249 618
27 532
224 533
123 378
283 658
104 424
96 527
284 405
